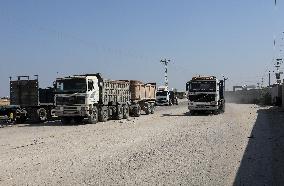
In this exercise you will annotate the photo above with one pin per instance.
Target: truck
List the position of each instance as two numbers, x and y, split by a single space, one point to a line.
165 97
206 93
11 113
33 103
90 98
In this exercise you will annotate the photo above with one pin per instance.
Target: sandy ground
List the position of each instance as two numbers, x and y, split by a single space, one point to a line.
243 146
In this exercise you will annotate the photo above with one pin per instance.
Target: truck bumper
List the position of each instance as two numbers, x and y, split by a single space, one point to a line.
68 111
203 107
162 103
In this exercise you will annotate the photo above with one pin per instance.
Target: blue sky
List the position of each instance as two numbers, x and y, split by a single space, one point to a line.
126 39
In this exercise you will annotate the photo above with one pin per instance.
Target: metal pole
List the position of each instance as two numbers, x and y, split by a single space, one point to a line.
165 62
269 79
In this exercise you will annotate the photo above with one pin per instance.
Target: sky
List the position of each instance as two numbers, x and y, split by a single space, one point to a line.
126 39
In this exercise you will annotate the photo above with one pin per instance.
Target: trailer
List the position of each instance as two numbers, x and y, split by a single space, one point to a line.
37 103
143 97
91 98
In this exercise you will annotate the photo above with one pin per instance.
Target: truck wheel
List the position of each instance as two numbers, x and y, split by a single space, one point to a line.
192 112
152 108
216 112
21 120
137 111
103 117
119 112
42 114
223 108
125 112
93 118
147 108
65 120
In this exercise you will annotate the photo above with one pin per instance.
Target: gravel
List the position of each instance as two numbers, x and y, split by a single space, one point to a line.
166 148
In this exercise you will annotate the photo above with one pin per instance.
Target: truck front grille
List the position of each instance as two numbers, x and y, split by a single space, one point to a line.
70 100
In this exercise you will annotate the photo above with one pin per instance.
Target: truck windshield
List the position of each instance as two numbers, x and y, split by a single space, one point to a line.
71 85
202 86
164 93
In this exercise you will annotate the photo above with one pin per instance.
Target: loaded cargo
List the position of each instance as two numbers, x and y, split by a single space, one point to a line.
143 97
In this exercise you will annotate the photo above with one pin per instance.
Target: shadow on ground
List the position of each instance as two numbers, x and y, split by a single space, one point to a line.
49 123
187 114
263 160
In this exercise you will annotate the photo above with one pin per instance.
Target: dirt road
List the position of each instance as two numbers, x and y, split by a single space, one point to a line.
242 146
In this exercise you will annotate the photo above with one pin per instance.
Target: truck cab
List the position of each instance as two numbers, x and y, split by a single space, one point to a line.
205 94
76 95
165 97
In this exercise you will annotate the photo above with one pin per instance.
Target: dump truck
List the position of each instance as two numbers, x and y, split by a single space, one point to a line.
206 93
90 98
34 104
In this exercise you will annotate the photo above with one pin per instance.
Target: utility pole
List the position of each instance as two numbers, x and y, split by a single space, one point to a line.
269 81
279 61
165 62
225 79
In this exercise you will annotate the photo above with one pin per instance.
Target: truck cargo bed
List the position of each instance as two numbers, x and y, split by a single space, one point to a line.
115 91
140 91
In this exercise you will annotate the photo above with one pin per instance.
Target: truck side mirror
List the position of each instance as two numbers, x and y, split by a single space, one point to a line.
90 85
186 86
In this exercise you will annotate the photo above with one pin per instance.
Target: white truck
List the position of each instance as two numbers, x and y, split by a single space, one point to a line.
90 98
206 93
164 97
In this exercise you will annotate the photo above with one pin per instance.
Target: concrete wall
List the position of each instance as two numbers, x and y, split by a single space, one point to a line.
276 95
243 96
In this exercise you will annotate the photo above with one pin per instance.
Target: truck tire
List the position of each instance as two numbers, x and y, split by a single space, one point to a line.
125 111
152 108
119 112
216 112
147 108
93 117
66 120
21 120
33 115
42 114
192 112
137 111
223 107
103 116
19 116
